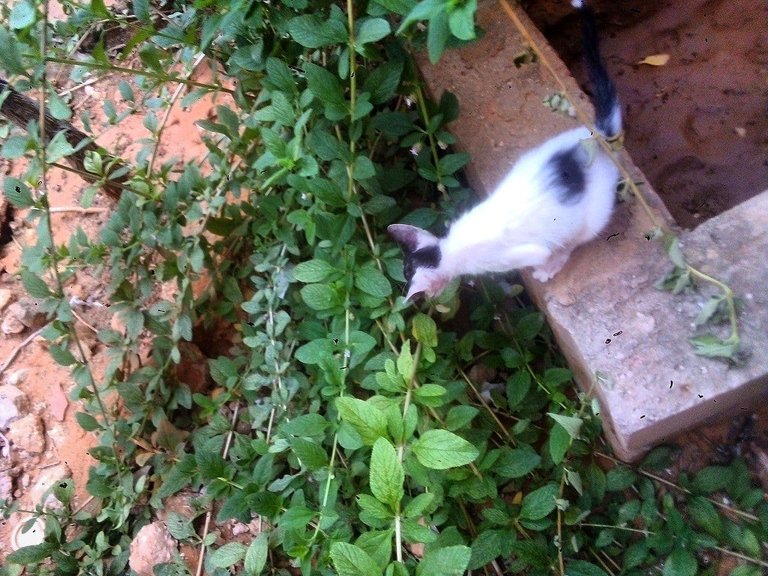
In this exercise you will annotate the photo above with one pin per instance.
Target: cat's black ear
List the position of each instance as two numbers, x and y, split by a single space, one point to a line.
412 238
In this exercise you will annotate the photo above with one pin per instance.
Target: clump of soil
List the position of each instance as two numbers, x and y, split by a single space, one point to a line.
698 125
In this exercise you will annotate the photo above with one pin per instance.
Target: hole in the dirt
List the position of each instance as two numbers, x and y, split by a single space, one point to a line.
6 217
698 125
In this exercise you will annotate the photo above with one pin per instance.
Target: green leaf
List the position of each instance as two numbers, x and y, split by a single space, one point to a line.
448 561
315 351
319 296
382 84
369 421
386 474
712 478
440 449
179 526
327 88
394 124
34 285
711 346
583 568
709 309
539 503
15 147
363 168
559 442
517 462
418 505
371 30
313 271
305 425
351 560
675 253
378 544
87 422
227 555
256 555
571 424
437 35
31 554
452 162
619 478
312 32
518 386
141 11
311 454
460 416
22 15
489 545
425 330
58 147
529 326
373 282
58 107
424 10
680 563
703 514
462 20
10 57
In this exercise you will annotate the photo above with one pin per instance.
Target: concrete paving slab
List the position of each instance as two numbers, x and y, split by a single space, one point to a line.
626 341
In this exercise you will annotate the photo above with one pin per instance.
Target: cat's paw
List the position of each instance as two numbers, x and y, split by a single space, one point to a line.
542 274
552 266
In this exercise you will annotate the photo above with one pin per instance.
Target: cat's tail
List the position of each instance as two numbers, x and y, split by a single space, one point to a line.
605 99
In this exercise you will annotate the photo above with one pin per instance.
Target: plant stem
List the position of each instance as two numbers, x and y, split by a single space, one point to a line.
139 72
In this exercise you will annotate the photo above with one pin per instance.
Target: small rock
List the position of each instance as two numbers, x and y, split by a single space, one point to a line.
181 504
13 405
28 311
28 434
5 298
16 377
6 486
152 545
58 402
12 325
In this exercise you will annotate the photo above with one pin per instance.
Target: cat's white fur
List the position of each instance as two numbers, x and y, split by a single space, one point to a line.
536 216
522 223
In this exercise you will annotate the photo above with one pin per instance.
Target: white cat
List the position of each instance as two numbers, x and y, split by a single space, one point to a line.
557 196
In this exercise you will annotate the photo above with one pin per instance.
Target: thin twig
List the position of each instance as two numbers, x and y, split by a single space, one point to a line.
671 484
77 209
169 109
5 365
209 514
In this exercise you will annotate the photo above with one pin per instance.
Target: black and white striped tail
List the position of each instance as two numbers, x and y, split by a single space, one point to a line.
605 99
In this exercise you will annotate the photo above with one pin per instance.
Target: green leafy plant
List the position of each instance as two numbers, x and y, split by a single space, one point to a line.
367 435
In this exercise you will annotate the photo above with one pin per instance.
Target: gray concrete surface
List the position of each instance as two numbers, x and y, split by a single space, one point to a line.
626 341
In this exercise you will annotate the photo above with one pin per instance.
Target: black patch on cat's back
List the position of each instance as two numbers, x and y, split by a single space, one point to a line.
568 178
427 257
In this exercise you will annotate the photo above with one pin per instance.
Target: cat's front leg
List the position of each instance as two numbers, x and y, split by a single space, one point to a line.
552 266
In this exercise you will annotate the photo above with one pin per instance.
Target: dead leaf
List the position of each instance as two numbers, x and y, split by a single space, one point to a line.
655 60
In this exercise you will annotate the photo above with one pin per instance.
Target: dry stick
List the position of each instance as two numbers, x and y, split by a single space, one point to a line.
209 514
12 356
168 110
20 109
671 484
78 210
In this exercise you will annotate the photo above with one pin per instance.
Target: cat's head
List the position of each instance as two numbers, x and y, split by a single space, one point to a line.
422 259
